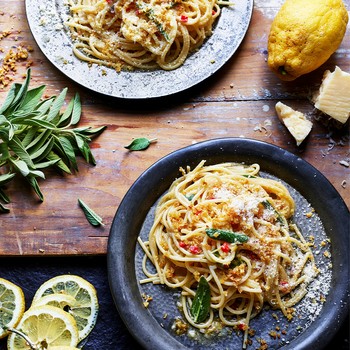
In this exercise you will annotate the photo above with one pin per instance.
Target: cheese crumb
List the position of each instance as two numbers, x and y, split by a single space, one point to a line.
295 122
333 97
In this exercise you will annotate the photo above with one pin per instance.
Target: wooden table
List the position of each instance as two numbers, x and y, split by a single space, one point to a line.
238 101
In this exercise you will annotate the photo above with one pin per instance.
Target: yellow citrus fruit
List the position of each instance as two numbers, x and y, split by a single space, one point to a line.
304 34
81 301
44 327
12 305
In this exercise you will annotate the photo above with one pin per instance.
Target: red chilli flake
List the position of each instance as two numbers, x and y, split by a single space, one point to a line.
194 249
184 18
182 244
242 327
225 247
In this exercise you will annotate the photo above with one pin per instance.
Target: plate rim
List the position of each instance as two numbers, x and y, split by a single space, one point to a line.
110 88
319 331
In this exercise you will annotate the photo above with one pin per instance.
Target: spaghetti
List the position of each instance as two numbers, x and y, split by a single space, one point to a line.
229 225
143 34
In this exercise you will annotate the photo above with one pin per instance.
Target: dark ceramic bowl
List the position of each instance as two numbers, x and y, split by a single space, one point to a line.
312 329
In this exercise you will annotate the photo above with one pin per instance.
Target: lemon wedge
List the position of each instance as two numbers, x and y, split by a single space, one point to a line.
43 327
12 305
73 294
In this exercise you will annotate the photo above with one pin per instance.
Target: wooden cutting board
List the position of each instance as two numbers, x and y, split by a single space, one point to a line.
238 101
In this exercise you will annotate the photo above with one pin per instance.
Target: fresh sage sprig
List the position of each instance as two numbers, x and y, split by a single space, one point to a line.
35 135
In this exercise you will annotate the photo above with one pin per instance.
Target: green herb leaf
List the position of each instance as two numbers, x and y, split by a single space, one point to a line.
3 197
201 303
227 236
249 176
4 209
5 178
9 99
189 196
57 105
32 98
139 144
90 215
269 206
20 92
34 183
60 164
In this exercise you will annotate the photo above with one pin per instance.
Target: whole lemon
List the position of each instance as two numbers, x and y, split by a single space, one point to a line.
304 34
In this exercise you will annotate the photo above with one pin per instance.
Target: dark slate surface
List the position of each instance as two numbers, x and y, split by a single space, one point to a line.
110 332
29 273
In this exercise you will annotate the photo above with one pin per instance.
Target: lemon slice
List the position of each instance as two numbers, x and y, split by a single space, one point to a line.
69 304
85 307
44 327
12 305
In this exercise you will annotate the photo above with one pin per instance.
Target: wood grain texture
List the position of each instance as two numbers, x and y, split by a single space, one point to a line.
238 101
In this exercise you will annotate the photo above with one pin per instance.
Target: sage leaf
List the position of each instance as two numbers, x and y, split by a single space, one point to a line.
60 164
91 216
269 206
34 183
57 105
43 107
227 236
68 150
16 146
4 209
201 303
139 144
46 164
4 152
5 178
32 98
65 117
84 148
76 113
20 92
9 99
21 166
42 152
29 136
88 131
4 197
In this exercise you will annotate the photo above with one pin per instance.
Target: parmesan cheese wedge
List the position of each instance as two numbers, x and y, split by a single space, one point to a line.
334 95
295 122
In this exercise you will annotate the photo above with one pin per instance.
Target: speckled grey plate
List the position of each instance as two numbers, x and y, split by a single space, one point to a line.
315 323
46 23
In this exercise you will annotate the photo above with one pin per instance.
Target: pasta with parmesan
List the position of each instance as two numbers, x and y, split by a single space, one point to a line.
227 224
143 34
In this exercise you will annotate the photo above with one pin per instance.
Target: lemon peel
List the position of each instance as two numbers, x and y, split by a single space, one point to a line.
304 34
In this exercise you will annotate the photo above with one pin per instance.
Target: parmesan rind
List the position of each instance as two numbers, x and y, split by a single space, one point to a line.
295 122
334 95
